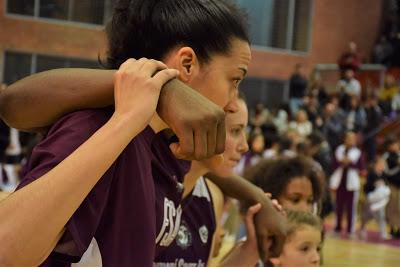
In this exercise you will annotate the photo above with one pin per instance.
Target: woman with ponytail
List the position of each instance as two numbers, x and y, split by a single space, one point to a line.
104 187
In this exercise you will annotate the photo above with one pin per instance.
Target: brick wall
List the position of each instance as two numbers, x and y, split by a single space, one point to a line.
335 23
49 37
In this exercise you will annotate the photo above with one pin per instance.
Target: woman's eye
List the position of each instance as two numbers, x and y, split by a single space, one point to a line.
236 132
296 200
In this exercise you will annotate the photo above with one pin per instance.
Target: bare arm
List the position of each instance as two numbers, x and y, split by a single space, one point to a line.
56 195
37 101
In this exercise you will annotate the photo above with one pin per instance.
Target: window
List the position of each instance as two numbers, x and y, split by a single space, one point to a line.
23 7
16 66
19 65
269 92
283 24
51 62
84 11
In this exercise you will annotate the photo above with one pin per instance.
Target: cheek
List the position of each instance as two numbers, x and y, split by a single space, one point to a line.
293 258
215 89
286 203
230 145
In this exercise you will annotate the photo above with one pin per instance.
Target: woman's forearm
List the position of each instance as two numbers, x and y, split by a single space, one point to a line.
39 100
33 217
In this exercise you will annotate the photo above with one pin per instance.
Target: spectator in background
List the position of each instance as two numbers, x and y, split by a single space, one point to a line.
395 105
321 153
377 196
271 146
350 59
312 107
374 119
302 125
297 88
392 174
348 87
355 116
260 116
294 136
345 181
382 52
257 146
317 89
281 118
333 125
387 95
287 148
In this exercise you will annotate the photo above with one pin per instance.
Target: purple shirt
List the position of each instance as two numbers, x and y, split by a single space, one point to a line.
116 223
192 245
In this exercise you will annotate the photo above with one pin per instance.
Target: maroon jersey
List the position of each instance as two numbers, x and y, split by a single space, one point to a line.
116 223
192 245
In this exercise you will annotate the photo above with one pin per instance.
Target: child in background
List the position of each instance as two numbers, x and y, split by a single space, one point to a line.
294 182
345 181
377 196
303 241
257 146
392 174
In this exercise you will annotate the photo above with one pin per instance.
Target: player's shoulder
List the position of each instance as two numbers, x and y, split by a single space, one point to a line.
84 121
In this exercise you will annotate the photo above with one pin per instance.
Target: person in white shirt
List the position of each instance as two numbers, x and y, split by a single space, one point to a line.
302 125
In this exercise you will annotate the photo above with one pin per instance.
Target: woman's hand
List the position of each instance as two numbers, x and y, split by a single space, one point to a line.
245 253
137 86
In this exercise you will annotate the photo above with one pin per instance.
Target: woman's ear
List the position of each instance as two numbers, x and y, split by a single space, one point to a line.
187 63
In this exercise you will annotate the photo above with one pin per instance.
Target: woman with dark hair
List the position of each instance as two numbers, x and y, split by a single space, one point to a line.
106 194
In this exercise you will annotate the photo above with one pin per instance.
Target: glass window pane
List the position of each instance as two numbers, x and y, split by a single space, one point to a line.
16 66
301 25
23 7
269 92
280 24
88 11
268 21
49 62
54 9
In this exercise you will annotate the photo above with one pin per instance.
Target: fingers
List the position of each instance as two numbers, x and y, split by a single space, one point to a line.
276 205
249 221
185 148
262 248
200 144
211 140
151 67
277 245
163 76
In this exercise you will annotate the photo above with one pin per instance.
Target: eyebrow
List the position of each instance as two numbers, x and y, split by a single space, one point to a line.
238 125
